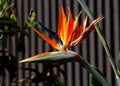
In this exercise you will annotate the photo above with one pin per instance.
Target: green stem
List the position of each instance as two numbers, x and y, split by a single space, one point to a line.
92 70
100 33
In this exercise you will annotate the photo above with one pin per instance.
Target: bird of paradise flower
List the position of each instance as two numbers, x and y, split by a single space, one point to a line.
69 34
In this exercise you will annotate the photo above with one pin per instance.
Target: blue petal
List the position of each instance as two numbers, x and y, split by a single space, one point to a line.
53 34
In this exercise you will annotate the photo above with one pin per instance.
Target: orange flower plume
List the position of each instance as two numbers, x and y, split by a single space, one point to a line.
69 32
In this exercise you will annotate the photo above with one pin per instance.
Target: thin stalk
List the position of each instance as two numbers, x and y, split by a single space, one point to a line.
102 38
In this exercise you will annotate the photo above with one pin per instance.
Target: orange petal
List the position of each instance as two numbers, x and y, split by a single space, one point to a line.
76 19
76 33
86 32
62 25
70 27
83 25
80 29
50 41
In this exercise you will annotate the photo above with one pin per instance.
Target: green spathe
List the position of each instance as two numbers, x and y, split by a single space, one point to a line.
53 57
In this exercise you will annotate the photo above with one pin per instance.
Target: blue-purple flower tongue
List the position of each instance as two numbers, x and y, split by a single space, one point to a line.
53 34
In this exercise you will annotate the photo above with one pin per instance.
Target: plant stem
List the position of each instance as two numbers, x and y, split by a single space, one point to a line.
100 33
92 70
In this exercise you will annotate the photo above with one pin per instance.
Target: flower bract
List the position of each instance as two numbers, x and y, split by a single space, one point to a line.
69 34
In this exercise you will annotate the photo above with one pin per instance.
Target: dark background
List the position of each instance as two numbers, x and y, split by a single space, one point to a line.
47 12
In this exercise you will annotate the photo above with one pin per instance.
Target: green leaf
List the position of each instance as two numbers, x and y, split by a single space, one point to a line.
118 65
7 21
1 36
13 17
10 4
93 81
119 61
102 38
2 3
5 6
31 16
32 23
97 75
100 33
52 57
